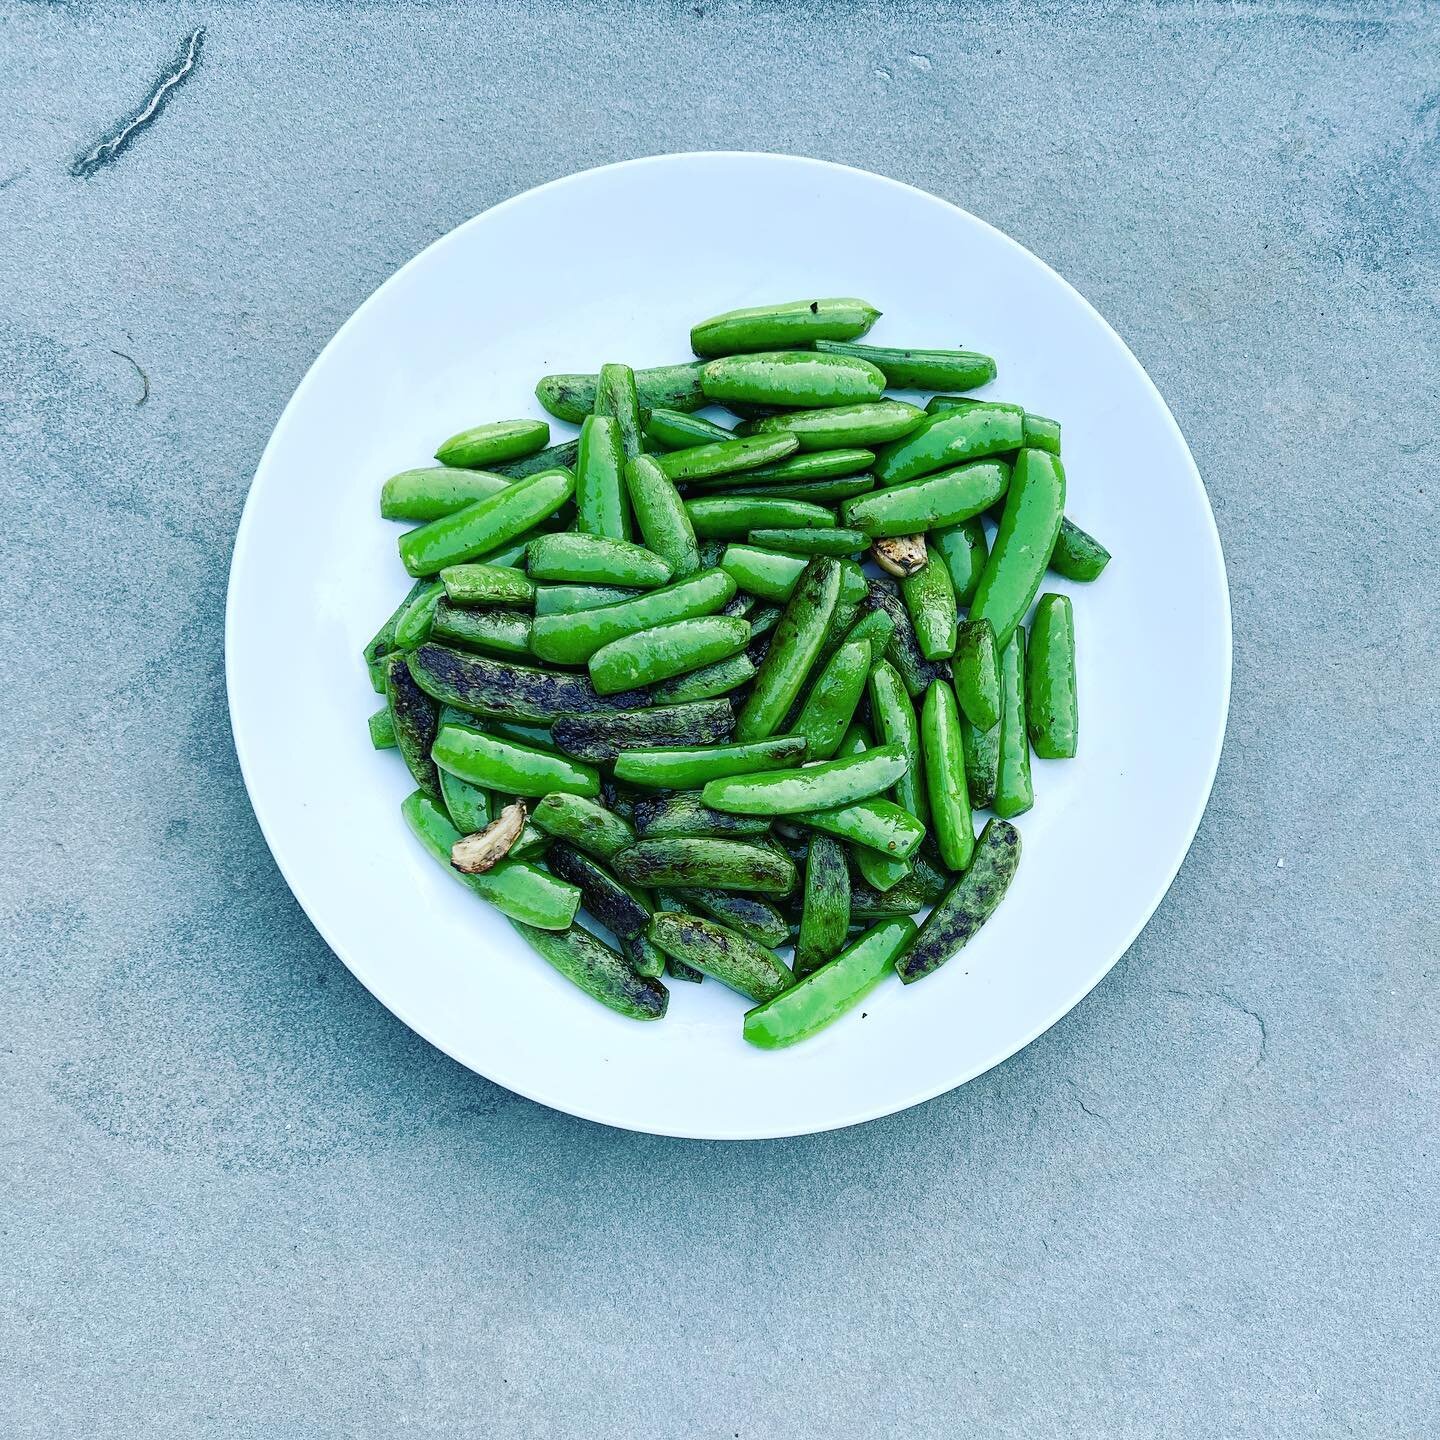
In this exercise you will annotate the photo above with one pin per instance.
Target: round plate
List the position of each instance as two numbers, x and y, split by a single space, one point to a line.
615 264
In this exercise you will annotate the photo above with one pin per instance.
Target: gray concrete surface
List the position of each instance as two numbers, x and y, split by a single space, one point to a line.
239 1199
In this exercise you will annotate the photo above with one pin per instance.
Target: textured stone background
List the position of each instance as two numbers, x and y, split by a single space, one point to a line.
239 1199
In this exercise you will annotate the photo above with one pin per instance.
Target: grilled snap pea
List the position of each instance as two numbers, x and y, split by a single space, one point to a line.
651 655
552 457
964 549
841 427
725 457
585 823
566 599
1077 555
893 719
675 430
944 498
602 973
672 387
903 649
774 327
494 443
722 953
616 395
1014 793
415 718
601 505
831 703
977 674
720 864
645 959
506 632
418 617
825 911
824 786
436 490
485 686
946 786
967 905
658 817
382 729
602 739
982 761
930 598
944 441
791 379
660 515
811 541
594 560
477 584
708 681
756 920
496 764
878 868
1050 704
685 768
617 907
727 517
919 369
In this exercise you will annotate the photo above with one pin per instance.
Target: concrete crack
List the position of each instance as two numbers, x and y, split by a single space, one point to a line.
144 378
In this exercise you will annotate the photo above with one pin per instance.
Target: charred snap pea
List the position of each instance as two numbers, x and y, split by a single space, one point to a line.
675 430
903 650
616 395
617 907
415 717
685 768
601 739
930 599
485 686
967 905
825 786
756 920
831 703
660 515
1014 793
811 541
1077 555
552 457
725 457
436 490
672 387
594 560
919 369
825 912
719 864
658 817
792 379
478 584
602 973
566 599
944 498
837 987
944 441
494 443
418 617
982 761
964 549
948 792
722 953
727 516
977 674
496 764
601 506
585 823
1050 703
708 681
867 622
382 729
893 718
651 655
841 427
506 632
774 327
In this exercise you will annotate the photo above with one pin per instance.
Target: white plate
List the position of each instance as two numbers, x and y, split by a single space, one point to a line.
615 264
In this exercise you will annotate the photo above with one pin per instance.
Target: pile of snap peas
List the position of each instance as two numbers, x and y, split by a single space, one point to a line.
644 670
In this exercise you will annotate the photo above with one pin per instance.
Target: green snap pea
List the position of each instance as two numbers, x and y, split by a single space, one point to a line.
595 560
553 457
930 598
798 636
766 573
877 824
1042 433
683 768
818 492
571 639
903 650
1037 431
825 910
944 441
566 599
725 457
494 443
910 369
641 659
755 919
893 716
645 959
878 867
726 517
982 762
964 550
504 632
810 466
507 557
486 524
870 622
383 640
417 619
602 739
774 327
602 973
765 619
477 584
675 430
1014 793
722 953
435 490
584 823
977 674
1034 508
601 506
496 764
516 889
806 541
708 681
1077 555
619 908
720 864
791 379
833 698
415 717
967 905
537 736
467 805
946 786
841 427
944 498
827 785
660 515
672 387
833 990
617 395
658 817
382 729
1052 712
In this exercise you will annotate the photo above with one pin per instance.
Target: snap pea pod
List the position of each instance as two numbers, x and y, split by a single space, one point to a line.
930 598
791 379
825 912
516 889
602 973
486 524
572 639
1052 713
831 703
1034 508
977 674
418 617
755 919
415 717
910 369
602 739
660 515
879 868
672 387
382 642
810 466
710 553
967 905
842 427
485 686
946 786
507 557
553 457
1037 431
671 649
828 785
658 817
435 490
494 443
645 959
467 805
722 953
617 395
675 430
774 327
870 622
823 996
595 560
601 505
1014 793
941 442
382 729
944 498
1077 555
877 824
505 632
903 650
892 715
585 823
982 761
566 599
798 636
727 517
765 619
708 681
725 457
914 892
766 573
1042 433
818 492
679 768
720 864
497 764
964 549
477 584
807 541
617 907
